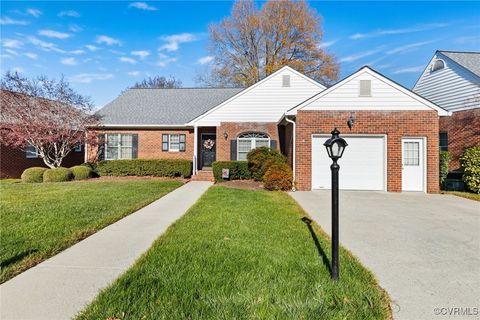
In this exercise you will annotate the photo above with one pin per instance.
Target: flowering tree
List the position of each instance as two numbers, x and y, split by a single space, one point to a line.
46 115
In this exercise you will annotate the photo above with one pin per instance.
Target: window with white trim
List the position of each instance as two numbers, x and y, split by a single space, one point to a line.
31 152
249 141
173 142
118 146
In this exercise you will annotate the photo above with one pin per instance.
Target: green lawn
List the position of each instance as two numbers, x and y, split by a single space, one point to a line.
468 195
241 254
41 219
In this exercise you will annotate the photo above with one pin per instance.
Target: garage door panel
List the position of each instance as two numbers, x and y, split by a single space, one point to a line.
362 166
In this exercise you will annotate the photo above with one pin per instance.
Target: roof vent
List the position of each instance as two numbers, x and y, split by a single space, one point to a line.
437 65
365 88
286 80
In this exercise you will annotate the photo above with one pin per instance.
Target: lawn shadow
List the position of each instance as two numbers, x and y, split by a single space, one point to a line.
321 253
16 258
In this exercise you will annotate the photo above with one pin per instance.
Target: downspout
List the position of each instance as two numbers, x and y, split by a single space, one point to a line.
195 142
294 133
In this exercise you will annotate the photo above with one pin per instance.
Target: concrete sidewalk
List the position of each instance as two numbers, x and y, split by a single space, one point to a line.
61 286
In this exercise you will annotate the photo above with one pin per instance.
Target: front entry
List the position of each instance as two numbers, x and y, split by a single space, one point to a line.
208 147
413 165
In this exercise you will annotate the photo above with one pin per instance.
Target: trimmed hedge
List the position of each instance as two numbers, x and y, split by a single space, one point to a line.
278 177
260 159
139 167
57 175
81 172
34 174
238 170
470 161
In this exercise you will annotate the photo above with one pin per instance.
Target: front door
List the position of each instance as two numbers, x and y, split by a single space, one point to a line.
208 147
412 164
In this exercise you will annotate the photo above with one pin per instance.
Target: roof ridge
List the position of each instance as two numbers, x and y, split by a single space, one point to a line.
451 51
183 88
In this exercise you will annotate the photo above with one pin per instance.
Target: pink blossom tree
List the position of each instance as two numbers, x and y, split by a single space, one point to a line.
44 114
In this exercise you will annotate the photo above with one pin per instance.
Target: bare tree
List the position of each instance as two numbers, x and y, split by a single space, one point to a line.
158 82
45 114
254 42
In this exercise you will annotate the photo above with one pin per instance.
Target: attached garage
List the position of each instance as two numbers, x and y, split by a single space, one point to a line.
362 166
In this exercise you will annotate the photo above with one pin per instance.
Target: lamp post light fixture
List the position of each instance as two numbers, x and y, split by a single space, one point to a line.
335 147
225 135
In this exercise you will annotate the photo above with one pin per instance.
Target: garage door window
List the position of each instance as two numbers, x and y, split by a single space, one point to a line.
411 155
250 141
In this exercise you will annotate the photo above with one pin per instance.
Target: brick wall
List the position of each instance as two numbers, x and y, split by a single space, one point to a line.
463 130
150 144
395 124
13 161
234 129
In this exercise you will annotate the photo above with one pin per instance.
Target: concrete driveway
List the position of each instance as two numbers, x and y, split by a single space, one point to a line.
424 249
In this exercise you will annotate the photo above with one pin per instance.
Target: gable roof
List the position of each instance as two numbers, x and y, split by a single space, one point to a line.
173 107
377 75
468 60
259 83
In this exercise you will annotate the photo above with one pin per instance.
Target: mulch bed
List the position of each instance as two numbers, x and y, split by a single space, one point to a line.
242 184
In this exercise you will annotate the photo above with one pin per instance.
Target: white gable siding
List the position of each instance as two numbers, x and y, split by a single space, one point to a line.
452 88
265 102
383 96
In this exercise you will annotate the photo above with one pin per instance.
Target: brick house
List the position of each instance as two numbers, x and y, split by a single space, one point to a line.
393 144
452 81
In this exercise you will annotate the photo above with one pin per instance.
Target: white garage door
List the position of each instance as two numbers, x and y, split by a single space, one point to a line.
362 166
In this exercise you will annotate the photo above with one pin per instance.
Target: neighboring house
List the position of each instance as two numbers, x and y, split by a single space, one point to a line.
452 81
393 145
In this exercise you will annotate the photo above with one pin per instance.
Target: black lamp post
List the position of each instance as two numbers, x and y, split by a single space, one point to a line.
335 147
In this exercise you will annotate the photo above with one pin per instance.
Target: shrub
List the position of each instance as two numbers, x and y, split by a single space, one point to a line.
57 175
34 174
81 172
470 161
278 177
260 159
238 170
445 158
138 167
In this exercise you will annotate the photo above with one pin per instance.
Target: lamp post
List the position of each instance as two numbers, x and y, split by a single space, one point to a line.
335 147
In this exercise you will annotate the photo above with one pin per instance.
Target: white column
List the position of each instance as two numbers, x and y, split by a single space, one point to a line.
195 148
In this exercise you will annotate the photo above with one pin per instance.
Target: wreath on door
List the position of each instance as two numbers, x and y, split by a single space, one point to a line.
208 144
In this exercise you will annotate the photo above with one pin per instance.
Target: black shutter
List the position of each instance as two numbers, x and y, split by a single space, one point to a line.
164 142
182 143
273 144
233 149
101 147
134 146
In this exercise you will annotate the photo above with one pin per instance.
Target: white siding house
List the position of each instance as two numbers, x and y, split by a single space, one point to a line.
452 80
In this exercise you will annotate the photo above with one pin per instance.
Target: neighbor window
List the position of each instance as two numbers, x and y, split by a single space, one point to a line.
173 142
78 148
31 152
438 65
249 141
365 88
118 146
443 138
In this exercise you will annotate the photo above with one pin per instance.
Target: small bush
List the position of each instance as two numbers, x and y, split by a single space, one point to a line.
57 175
238 170
138 167
470 161
81 172
279 176
34 174
445 158
260 159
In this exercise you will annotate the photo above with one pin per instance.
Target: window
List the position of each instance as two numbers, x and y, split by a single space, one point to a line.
286 81
438 65
173 142
411 153
250 141
443 138
118 146
365 88
78 148
31 152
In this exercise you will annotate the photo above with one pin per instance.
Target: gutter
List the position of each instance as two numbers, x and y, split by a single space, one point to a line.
294 133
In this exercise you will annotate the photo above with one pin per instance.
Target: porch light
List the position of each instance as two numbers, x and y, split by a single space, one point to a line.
225 135
335 147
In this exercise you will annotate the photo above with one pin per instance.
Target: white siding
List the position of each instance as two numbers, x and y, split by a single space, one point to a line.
452 88
384 96
266 101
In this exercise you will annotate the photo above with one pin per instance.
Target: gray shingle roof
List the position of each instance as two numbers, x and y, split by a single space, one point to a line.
163 106
468 60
